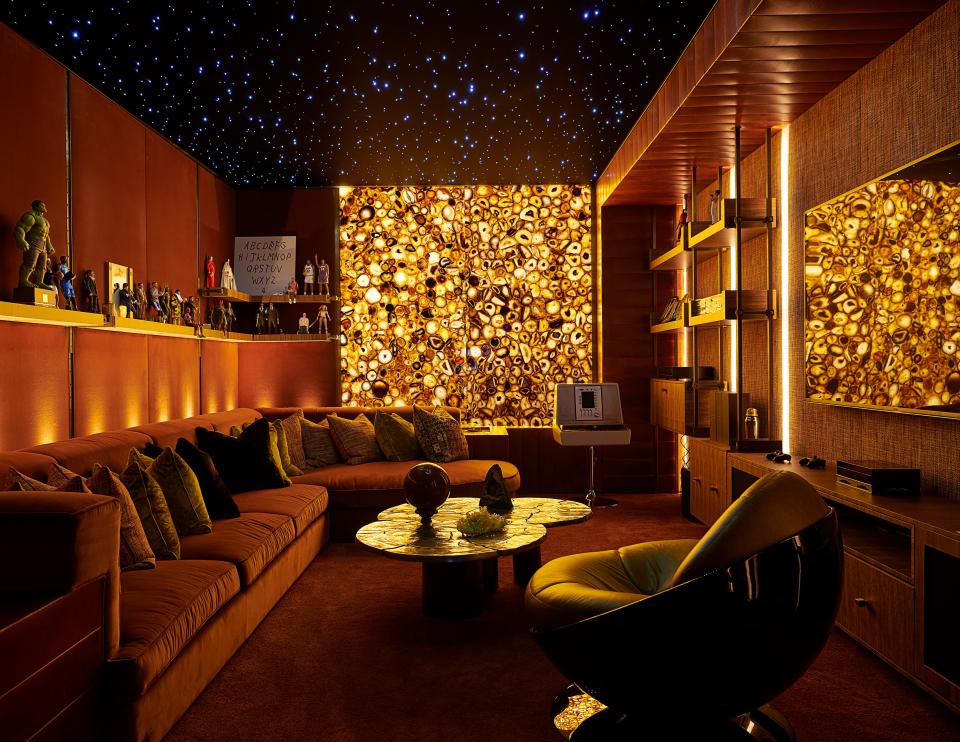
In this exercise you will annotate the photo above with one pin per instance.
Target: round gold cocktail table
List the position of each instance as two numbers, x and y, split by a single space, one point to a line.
458 570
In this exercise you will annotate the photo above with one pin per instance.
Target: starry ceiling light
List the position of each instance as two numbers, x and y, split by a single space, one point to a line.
309 94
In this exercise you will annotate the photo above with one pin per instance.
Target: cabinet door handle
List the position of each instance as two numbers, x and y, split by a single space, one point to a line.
861 602
714 489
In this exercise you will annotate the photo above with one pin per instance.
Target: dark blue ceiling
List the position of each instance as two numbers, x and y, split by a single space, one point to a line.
307 94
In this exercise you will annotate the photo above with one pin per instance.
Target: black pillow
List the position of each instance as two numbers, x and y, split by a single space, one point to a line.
244 463
216 494
152 450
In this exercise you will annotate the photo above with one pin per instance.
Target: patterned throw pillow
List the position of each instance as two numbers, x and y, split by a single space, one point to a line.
151 506
216 494
396 437
135 551
291 427
64 480
439 435
19 482
284 450
181 490
356 440
245 463
319 449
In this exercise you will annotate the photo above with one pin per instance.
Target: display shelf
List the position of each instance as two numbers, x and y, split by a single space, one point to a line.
233 295
675 259
288 337
146 327
676 325
40 315
754 308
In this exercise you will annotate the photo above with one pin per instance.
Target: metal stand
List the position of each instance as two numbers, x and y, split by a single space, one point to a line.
592 500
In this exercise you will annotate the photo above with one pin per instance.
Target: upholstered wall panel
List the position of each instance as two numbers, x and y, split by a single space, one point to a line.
32 146
171 193
110 381
219 368
109 200
173 378
896 109
34 385
218 213
288 374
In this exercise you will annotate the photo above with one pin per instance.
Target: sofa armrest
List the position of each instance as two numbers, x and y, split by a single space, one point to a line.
53 542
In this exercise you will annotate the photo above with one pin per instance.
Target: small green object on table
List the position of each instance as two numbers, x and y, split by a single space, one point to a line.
481 522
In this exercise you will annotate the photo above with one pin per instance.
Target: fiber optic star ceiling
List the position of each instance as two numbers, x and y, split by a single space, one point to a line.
287 93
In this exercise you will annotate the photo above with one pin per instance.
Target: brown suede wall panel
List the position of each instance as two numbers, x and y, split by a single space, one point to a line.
32 146
173 378
110 381
218 215
288 374
171 198
109 172
219 382
34 385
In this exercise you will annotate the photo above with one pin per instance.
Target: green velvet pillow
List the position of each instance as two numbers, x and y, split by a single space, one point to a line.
275 456
396 437
182 492
151 506
283 449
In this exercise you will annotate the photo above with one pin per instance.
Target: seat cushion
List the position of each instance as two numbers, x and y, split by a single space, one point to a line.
575 587
380 484
161 610
250 542
303 503
165 434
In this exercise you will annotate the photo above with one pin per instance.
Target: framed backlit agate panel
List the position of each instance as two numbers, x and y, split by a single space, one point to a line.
882 274
479 297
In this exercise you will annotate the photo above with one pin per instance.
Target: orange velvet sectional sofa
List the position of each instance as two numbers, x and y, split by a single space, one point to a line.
92 651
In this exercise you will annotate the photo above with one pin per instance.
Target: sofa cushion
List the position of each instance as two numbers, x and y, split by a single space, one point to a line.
245 463
304 503
396 437
381 483
216 494
222 421
166 433
355 440
181 490
289 468
61 478
161 610
107 449
32 464
250 542
291 428
318 447
152 508
439 435
135 550
17 481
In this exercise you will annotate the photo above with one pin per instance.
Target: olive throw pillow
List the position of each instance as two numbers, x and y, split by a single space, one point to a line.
355 439
319 449
439 435
291 427
181 490
151 506
396 437
245 463
283 448
216 494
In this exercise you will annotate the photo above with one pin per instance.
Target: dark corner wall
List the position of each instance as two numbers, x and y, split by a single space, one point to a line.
118 191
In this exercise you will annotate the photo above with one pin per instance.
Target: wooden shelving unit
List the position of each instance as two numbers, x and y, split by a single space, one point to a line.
753 303
673 326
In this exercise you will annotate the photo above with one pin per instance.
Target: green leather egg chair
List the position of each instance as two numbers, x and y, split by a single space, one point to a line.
692 639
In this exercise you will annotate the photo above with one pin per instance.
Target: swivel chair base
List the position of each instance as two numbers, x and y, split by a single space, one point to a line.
580 718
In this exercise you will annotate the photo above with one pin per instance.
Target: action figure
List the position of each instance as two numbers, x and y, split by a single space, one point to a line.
155 302
681 225
273 319
32 235
126 300
90 293
323 277
165 304
218 318
188 309
176 308
66 284
229 317
292 291
211 269
116 298
309 278
226 276
322 321
140 296
261 320
714 206
303 324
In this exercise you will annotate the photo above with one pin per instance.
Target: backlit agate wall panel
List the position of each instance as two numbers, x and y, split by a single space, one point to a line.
473 296
883 297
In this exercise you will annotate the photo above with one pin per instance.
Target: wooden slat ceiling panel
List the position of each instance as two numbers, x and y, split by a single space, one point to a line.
756 63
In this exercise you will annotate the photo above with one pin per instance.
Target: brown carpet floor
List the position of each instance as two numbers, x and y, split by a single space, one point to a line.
347 655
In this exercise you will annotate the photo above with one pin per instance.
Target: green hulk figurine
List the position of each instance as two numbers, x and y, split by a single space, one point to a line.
32 235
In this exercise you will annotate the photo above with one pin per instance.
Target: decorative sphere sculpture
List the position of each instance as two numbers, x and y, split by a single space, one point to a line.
427 487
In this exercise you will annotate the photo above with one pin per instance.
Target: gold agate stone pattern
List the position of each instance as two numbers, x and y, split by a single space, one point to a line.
882 276
479 297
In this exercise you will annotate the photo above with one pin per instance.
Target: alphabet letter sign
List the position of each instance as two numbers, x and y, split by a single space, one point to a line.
264 265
